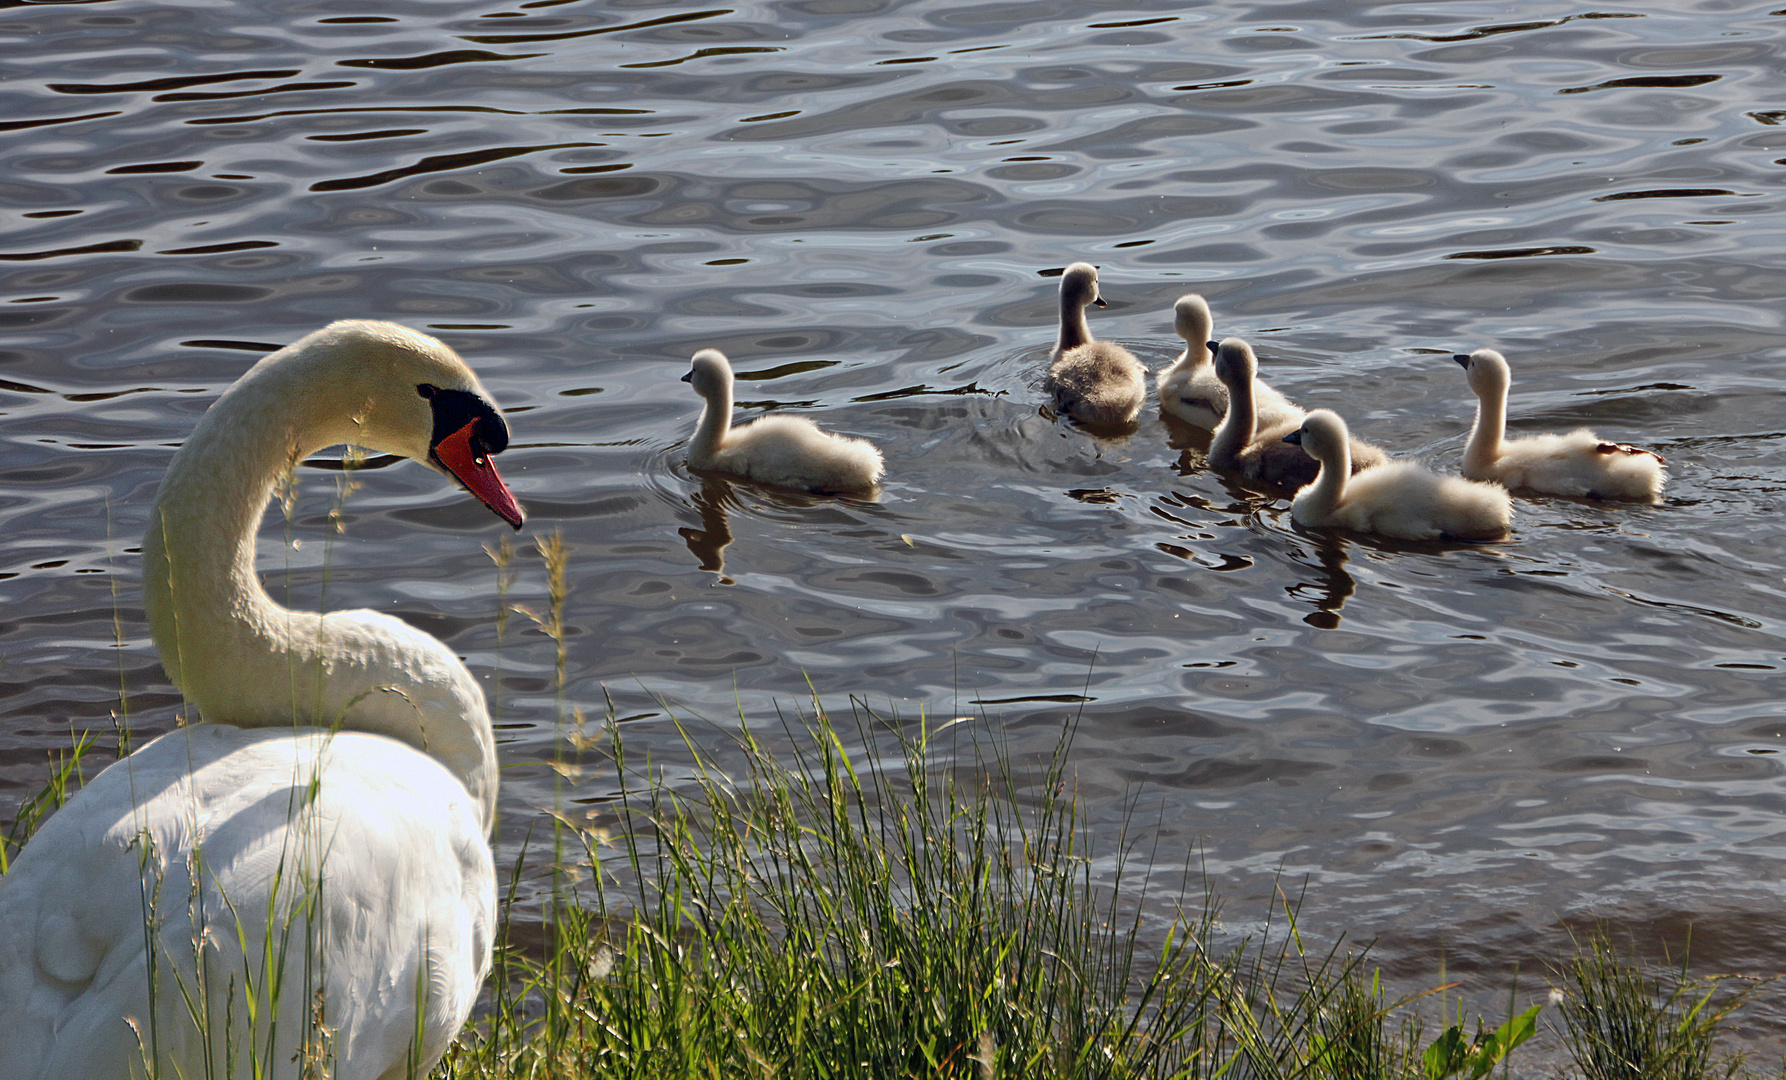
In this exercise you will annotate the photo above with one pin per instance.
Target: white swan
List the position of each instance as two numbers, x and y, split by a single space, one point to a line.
787 451
1579 463
1098 383
1397 498
303 880
1189 388
1255 449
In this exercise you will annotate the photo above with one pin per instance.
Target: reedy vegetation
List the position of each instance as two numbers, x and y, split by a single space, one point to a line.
923 908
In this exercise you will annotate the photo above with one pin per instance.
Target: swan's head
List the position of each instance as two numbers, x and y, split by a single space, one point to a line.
407 394
710 373
1322 434
1235 363
1079 285
1190 317
1487 370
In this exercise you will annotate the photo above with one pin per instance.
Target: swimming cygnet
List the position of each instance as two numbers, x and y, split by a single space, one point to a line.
1098 383
1396 498
1189 389
1255 448
1578 464
787 451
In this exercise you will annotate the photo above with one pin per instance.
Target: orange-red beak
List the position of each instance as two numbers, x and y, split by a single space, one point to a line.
473 468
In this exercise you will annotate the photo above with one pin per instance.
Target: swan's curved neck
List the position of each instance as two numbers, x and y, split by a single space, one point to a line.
1074 331
1236 431
1329 486
243 659
1195 356
716 420
1486 437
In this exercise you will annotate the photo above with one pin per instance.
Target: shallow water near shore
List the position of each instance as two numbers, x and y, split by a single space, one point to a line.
1460 748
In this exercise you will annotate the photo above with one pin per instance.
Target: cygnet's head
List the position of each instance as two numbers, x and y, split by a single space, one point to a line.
1235 363
710 374
1487 370
1321 435
1079 285
1190 317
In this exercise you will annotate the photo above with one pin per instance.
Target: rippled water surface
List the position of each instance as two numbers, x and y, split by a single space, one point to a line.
861 201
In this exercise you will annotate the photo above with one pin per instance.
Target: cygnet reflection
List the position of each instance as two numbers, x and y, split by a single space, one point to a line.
1332 586
708 543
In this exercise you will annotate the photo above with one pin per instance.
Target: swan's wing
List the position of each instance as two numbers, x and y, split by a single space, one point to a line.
794 452
347 864
1626 448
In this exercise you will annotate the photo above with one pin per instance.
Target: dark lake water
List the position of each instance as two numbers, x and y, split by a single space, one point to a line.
1461 750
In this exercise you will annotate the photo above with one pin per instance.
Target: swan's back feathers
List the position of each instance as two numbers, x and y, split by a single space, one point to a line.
1099 384
1579 464
1192 393
406 910
792 452
1366 455
1404 499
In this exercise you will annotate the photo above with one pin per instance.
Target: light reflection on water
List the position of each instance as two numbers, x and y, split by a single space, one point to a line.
1457 746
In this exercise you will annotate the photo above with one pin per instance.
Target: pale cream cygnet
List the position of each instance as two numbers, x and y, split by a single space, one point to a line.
1257 450
1396 498
1189 388
1098 383
786 451
1579 463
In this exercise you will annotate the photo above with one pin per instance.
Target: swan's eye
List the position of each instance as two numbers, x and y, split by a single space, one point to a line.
454 409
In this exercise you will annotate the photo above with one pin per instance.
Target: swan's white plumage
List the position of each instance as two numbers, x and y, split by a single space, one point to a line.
367 847
1189 387
1397 498
1578 463
1098 383
1254 448
406 879
786 451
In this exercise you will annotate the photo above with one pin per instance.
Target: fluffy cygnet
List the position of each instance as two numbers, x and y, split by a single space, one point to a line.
1578 464
1189 389
787 451
1098 383
1255 448
1396 498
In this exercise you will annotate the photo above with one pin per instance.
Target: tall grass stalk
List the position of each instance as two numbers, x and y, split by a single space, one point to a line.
1624 1019
120 715
65 778
556 557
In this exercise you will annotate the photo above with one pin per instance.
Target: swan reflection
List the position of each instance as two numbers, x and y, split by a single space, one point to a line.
1334 584
708 543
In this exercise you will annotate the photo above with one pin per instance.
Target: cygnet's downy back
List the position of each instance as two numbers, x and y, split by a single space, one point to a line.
1098 383
785 451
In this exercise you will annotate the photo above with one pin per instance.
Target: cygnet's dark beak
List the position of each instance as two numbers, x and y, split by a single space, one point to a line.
1214 346
1099 301
1463 360
689 375
1294 437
